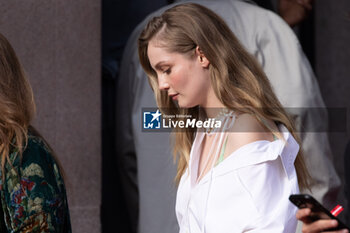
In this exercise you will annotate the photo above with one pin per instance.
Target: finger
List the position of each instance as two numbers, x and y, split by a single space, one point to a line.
340 231
319 226
302 213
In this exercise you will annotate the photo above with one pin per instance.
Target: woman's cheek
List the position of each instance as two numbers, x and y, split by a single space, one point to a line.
176 81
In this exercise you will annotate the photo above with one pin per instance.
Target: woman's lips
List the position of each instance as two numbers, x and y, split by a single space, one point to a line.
174 97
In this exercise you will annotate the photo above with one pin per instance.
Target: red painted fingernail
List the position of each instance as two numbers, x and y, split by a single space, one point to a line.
337 210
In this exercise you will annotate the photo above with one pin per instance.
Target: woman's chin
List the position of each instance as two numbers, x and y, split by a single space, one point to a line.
185 105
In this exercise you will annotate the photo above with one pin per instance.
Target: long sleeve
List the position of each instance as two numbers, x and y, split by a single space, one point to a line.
34 198
294 83
144 158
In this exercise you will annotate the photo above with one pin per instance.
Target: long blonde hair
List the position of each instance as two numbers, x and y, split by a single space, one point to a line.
17 106
237 79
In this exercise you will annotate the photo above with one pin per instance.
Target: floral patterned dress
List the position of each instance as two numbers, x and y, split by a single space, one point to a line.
33 195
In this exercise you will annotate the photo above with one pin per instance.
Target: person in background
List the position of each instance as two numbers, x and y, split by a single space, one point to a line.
32 190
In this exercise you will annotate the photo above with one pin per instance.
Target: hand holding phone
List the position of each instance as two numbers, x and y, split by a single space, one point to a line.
316 218
318 225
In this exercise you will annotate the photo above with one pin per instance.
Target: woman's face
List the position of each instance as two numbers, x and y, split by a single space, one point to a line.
185 78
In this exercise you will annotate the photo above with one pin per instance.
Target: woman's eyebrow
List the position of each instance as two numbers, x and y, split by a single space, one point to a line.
159 65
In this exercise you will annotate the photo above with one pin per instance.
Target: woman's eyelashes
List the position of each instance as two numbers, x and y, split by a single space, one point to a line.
167 71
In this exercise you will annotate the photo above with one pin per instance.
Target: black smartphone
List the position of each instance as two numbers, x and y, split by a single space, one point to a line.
317 210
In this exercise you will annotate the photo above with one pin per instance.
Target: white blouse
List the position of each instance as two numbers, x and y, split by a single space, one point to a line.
247 192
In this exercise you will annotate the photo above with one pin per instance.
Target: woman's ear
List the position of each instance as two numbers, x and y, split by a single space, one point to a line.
202 58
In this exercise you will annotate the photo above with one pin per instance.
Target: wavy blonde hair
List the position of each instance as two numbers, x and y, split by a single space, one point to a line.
17 105
237 79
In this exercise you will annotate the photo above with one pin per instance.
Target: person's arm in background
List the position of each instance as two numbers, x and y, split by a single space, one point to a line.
316 226
295 85
294 11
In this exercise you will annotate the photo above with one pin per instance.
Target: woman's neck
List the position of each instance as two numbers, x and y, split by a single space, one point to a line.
211 105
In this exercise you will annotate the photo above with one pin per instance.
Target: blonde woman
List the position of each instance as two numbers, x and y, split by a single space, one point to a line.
236 178
32 191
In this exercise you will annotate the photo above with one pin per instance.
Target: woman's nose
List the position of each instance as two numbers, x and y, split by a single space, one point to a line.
162 83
